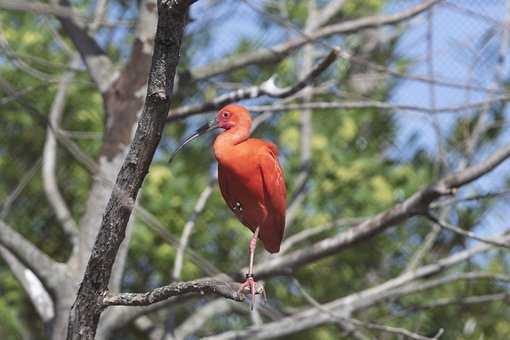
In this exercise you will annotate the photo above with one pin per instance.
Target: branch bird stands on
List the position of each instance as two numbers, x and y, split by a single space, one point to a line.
251 182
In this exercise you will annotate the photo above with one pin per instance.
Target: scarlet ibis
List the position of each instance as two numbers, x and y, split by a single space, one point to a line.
251 182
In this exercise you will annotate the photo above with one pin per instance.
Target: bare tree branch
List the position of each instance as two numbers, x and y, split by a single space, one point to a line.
99 15
326 13
423 250
194 322
267 88
292 240
297 197
98 63
32 285
465 300
46 269
202 286
189 110
473 172
151 330
49 162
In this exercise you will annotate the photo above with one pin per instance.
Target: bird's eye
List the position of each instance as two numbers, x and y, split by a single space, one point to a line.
225 114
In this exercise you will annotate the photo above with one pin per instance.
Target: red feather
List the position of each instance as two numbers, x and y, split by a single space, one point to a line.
251 180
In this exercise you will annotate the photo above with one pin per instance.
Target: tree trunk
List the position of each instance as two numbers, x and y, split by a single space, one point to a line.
88 305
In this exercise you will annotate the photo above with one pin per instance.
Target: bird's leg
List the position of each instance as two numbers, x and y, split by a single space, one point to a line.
250 280
253 245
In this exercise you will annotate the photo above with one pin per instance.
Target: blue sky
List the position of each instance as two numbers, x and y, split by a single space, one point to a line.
457 40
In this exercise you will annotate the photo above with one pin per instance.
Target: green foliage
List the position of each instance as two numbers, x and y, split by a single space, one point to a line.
353 175
10 326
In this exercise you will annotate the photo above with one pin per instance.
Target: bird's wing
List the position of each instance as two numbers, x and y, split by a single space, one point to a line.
226 192
272 149
275 196
223 181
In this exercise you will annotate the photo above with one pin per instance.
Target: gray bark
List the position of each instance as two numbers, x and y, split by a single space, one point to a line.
88 305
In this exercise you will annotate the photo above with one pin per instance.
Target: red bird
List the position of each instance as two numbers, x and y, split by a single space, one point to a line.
251 181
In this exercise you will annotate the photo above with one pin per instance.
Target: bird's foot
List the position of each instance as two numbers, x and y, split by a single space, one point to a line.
253 288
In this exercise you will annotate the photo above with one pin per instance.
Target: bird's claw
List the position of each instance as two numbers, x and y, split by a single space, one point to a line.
253 288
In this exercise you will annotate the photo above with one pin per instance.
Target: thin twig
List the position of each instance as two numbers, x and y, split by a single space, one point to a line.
25 180
466 233
49 175
307 233
476 197
372 104
188 227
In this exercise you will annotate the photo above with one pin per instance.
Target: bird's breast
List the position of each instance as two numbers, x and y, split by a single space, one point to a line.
243 177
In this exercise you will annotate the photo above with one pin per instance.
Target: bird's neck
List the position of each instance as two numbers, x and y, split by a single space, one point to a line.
228 139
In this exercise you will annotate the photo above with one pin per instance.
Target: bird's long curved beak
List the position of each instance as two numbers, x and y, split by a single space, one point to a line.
209 126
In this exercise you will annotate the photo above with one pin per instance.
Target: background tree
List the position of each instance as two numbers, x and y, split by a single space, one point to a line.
385 195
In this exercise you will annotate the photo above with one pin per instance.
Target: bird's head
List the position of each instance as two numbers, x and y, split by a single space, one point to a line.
229 117
233 115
